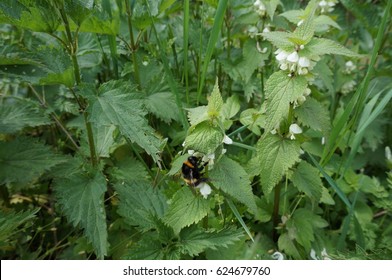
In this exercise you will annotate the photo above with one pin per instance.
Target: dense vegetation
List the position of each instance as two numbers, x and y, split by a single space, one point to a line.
285 103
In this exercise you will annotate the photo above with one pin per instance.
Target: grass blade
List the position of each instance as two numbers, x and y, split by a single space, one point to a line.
185 48
356 103
218 20
239 218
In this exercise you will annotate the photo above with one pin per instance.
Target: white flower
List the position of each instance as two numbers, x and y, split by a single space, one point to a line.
304 61
294 129
350 66
191 152
300 22
348 86
325 255
322 140
388 154
209 158
281 55
204 189
227 140
266 29
273 132
277 256
293 57
313 254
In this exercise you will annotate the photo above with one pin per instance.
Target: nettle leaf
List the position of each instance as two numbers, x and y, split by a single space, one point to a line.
128 170
280 91
271 7
301 227
288 245
34 15
250 62
78 10
275 156
230 177
23 160
20 113
185 209
204 138
195 240
279 39
58 66
118 104
10 221
231 107
215 102
177 164
321 46
163 105
253 119
306 179
148 248
313 114
140 204
82 200
197 115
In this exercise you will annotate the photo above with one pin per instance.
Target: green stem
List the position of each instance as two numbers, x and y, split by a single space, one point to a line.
73 53
185 47
133 45
275 215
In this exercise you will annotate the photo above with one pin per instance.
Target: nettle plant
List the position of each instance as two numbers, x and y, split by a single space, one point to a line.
102 103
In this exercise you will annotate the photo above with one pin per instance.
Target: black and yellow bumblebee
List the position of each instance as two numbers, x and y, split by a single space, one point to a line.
192 171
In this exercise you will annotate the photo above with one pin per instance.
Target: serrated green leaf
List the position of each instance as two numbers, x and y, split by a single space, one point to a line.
321 46
326 198
253 119
204 138
313 114
118 104
280 91
215 102
288 245
10 221
231 107
304 33
251 60
301 226
185 209
230 177
140 204
195 240
82 200
24 159
306 178
18 114
33 15
279 39
197 115
148 248
78 10
271 7
323 20
275 156
128 170
163 105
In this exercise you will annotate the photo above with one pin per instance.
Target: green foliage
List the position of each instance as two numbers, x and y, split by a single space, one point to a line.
275 156
102 103
185 209
24 160
81 198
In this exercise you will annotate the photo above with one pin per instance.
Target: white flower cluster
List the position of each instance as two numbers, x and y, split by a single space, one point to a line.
302 98
348 87
293 62
259 7
327 6
350 67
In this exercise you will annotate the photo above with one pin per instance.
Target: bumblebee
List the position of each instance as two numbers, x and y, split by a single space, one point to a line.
192 171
